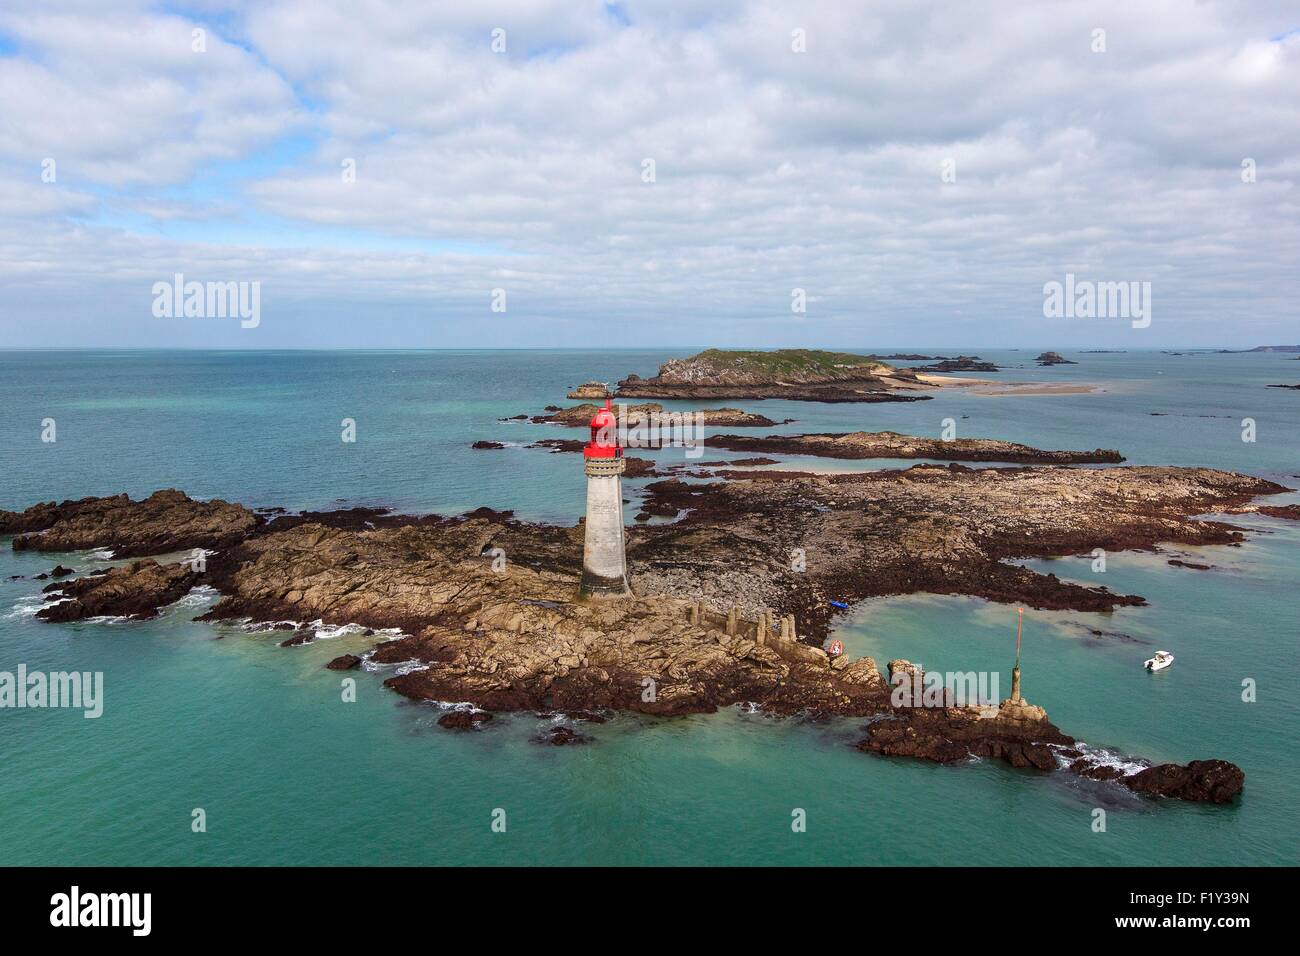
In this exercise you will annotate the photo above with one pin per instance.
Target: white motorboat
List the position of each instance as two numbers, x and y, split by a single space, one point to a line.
1158 663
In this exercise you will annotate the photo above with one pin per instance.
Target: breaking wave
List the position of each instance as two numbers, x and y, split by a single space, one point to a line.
29 606
199 595
1099 757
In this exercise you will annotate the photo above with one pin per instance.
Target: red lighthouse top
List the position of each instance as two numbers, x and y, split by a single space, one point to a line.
604 434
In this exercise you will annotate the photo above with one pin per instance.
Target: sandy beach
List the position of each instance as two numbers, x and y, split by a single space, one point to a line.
988 387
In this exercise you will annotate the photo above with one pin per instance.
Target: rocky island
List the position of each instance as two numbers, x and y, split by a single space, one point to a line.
806 375
718 616
1053 358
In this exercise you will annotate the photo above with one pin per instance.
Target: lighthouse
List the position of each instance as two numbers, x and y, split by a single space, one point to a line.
604 561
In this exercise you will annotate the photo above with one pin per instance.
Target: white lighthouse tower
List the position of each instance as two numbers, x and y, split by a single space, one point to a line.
604 560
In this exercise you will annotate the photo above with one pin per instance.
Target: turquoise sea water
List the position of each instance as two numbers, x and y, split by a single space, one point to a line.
198 716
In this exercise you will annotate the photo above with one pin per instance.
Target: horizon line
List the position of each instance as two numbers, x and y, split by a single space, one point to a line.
626 348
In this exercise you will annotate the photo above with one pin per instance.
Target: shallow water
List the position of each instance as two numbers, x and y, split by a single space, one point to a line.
198 716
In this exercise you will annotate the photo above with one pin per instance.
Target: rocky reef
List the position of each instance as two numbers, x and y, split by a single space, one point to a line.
859 445
1203 781
721 613
806 375
136 590
1281 511
165 521
963 363
579 416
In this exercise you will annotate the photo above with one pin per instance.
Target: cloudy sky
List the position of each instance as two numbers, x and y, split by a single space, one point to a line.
798 146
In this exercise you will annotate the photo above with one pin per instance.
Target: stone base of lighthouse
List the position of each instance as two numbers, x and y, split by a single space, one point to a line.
604 560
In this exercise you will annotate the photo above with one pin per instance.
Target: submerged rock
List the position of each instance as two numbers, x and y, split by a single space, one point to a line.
562 737
463 719
1190 565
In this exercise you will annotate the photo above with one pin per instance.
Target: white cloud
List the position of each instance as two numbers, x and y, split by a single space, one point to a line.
123 98
774 169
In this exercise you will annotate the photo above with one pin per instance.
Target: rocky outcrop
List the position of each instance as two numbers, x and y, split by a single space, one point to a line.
344 662
487 445
135 590
963 363
165 521
1053 358
860 445
946 735
1281 511
589 390
737 418
580 416
794 374
1020 734
638 467
1205 781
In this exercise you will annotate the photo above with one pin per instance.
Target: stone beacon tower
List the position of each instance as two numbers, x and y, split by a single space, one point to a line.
604 560
1015 671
